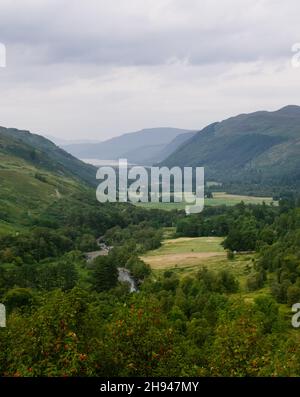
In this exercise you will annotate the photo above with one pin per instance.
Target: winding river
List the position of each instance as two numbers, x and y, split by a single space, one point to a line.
124 274
125 277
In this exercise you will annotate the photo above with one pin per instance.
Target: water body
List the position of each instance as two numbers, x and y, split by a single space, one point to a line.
125 276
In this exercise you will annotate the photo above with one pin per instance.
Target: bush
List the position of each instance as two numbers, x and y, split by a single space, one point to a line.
293 295
255 281
17 298
138 269
230 255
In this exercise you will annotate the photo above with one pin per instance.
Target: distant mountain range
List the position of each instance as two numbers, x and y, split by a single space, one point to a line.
63 142
142 147
256 147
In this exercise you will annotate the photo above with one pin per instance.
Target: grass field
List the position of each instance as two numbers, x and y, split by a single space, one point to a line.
219 198
189 244
185 253
186 256
189 254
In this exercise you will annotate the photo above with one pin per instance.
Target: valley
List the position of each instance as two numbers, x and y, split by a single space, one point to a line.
149 196
217 199
187 255
206 282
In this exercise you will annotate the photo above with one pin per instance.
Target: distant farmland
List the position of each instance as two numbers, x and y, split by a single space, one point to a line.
219 198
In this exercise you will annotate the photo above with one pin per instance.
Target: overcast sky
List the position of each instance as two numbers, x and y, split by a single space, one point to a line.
92 69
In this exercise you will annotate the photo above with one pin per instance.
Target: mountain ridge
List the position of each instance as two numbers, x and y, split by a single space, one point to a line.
43 153
138 147
257 146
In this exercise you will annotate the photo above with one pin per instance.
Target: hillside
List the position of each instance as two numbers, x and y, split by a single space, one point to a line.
137 147
153 154
168 149
255 147
34 173
43 153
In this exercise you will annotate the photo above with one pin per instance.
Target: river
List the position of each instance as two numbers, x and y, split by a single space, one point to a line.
124 275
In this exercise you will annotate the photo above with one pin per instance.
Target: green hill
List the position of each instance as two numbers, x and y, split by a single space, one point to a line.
34 173
257 147
43 153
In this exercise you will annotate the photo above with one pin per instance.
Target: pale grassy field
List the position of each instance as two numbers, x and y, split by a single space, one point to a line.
219 198
232 199
187 255
189 244
185 252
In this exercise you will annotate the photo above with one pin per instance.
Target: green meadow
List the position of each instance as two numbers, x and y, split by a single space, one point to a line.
219 198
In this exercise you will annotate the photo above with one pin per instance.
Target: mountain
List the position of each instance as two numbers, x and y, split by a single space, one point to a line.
257 147
153 154
64 142
43 153
138 147
34 173
168 149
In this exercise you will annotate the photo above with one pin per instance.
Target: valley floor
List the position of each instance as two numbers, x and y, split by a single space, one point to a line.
187 255
219 198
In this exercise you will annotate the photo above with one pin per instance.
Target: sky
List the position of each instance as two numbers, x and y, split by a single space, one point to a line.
93 69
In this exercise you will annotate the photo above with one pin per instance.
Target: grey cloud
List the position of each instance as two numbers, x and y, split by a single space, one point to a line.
104 32
96 68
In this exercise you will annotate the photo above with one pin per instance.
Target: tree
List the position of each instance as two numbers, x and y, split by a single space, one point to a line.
256 280
230 255
54 339
239 347
269 312
17 298
138 268
293 294
105 273
140 341
243 235
228 283
86 242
